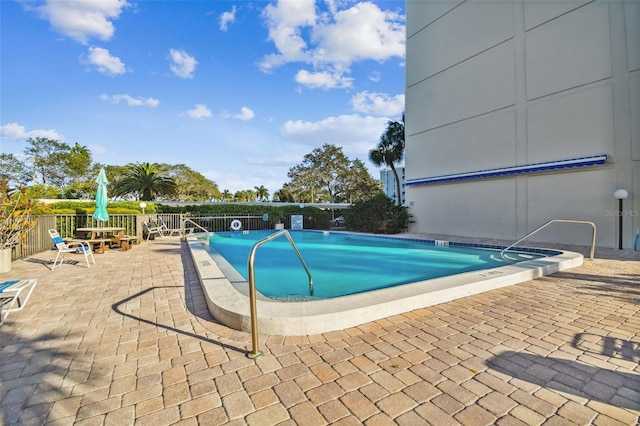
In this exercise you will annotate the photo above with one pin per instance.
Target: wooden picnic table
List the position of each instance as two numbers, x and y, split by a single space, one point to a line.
102 235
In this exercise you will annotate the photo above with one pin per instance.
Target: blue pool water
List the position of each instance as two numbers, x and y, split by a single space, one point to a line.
343 263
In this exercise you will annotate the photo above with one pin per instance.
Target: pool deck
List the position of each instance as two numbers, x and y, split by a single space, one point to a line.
131 341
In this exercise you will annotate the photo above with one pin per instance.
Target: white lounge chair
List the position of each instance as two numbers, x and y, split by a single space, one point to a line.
152 230
10 292
71 246
168 231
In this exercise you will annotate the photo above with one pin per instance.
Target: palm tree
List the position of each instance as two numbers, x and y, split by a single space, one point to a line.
144 181
390 150
262 193
226 195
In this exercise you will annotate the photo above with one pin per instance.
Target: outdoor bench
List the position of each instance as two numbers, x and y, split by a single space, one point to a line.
126 241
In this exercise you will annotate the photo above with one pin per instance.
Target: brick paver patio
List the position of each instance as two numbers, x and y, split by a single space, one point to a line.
130 341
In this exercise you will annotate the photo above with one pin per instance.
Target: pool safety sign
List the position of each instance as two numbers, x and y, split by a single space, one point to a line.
296 221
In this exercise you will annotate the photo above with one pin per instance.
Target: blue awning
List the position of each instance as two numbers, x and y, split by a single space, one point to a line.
513 170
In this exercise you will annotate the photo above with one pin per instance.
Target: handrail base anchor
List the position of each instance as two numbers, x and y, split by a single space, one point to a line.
254 355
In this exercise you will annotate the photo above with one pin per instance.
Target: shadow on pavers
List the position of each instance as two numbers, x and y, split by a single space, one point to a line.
117 308
573 377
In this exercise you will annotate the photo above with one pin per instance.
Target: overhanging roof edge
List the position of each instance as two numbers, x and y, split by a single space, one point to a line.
512 170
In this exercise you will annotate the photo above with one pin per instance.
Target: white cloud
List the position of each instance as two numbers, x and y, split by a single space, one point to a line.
355 133
245 114
16 131
183 65
130 100
82 19
226 18
378 104
323 80
200 111
286 160
359 33
104 62
333 40
97 149
285 21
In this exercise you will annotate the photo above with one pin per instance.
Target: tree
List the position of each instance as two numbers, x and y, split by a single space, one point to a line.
144 182
226 195
245 195
357 184
327 175
390 150
262 194
13 170
192 186
283 195
318 177
48 160
77 163
303 187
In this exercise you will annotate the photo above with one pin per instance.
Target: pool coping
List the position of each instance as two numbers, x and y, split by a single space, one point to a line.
231 307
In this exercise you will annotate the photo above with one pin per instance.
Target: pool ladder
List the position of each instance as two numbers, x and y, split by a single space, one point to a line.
255 352
593 234
184 228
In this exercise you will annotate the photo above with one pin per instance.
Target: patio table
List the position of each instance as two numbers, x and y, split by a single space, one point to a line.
103 234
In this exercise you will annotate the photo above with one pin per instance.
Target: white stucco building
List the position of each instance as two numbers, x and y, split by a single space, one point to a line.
389 183
505 99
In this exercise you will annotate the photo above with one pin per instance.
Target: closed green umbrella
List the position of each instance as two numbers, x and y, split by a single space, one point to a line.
101 213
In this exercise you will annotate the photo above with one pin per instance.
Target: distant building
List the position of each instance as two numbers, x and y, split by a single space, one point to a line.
389 183
519 112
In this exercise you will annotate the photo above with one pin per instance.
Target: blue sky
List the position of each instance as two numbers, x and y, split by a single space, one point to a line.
239 91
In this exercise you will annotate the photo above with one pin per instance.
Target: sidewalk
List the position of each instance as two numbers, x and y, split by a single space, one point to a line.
130 341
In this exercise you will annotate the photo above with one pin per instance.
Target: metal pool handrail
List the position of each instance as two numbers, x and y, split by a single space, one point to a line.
593 234
184 230
255 352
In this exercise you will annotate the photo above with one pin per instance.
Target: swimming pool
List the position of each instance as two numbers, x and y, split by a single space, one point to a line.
345 263
226 292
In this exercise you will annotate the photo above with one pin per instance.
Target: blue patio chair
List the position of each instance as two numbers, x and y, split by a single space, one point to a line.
71 246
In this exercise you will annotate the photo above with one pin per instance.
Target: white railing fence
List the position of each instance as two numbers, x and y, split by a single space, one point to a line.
38 240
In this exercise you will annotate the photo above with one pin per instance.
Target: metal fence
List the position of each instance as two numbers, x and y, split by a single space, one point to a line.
38 239
220 223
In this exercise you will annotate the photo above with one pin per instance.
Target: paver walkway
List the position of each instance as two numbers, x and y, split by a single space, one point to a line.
130 341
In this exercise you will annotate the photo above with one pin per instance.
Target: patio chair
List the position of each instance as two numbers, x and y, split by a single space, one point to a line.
152 230
10 292
168 231
71 246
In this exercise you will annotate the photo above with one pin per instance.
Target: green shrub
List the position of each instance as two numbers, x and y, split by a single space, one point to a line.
378 215
88 207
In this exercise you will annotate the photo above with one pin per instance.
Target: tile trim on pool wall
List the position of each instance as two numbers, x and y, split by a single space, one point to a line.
547 252
231 307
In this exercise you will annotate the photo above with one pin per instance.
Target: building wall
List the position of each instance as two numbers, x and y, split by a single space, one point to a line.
494 84
389 182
